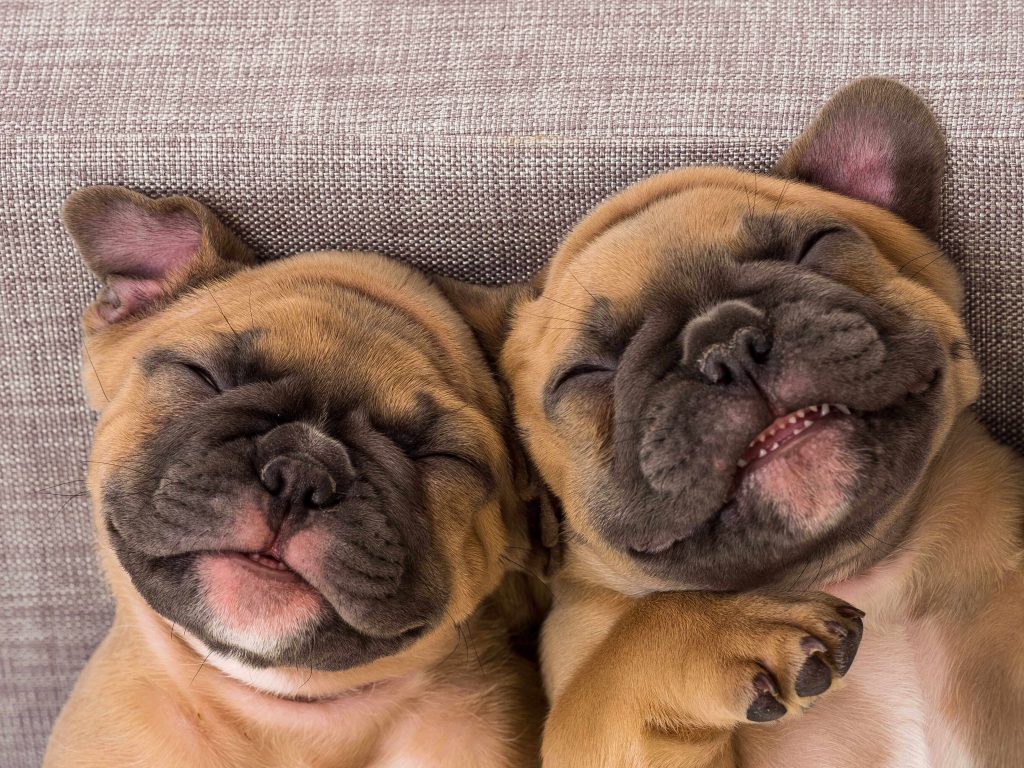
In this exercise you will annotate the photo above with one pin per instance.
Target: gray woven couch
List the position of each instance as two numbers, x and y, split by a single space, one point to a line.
464 137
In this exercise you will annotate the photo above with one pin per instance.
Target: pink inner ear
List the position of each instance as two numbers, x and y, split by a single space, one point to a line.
132 241
126 296
854 159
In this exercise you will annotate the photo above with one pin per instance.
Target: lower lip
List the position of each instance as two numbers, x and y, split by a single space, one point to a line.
248 597
784 442
264 569
787 444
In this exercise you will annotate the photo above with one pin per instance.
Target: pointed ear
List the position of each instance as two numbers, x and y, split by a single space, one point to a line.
537 534
486 309
146 251
545 532
875 140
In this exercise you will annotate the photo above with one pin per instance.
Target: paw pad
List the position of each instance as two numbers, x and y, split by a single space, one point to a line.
765 708
814 677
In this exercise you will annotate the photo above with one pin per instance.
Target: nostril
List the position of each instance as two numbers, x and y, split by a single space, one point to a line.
323 492
758 344
271 477
716 369
300 481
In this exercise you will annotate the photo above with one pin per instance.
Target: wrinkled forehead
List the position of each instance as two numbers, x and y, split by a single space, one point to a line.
346 335
686 231
339 339
683 220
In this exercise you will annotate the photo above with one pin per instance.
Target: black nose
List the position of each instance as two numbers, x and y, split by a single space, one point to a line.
303 466
727 343
300 480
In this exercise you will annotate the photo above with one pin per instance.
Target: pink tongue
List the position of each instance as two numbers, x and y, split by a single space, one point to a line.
781 431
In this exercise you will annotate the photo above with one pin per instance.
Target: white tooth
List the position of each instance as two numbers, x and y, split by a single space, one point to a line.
774 447
800 413
797 432
741 463
807 424
761 437
824 409
813 408
762 453
843 409
792 420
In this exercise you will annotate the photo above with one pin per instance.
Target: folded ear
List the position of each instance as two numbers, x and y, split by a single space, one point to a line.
488 310
875 140
546 531
146 251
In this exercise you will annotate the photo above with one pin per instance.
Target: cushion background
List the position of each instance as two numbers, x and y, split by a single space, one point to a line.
465 137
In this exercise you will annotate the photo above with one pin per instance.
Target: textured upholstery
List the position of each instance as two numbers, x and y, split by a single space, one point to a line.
463 136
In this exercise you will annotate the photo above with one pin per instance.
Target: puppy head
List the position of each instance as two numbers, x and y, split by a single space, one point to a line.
732 380
302 463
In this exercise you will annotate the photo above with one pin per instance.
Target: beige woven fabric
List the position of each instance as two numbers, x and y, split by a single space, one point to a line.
463 136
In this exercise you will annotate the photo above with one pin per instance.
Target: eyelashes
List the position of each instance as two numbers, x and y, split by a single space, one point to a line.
419 443
814 240
579 372
450 456
203 375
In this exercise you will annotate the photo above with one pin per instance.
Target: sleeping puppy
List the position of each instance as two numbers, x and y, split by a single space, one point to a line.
738 383
303 499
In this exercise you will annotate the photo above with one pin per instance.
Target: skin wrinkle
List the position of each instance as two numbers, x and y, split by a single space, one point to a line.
441 348
892 239
309 390
865 315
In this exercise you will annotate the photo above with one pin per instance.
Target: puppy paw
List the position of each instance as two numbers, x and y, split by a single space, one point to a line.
795 650
745 658
680 671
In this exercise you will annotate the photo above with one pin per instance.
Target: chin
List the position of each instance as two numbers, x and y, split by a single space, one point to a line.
800 474
256 604
807 493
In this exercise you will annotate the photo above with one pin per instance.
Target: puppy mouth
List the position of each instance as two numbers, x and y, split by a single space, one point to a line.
784 435
265 565
792 428
785 432
770 444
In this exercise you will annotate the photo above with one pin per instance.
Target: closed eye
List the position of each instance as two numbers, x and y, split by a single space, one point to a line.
437 448
815 239
425 438
580 371
432 455
203 375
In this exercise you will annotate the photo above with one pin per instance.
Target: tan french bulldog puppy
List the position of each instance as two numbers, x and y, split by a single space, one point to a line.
303 498
734 382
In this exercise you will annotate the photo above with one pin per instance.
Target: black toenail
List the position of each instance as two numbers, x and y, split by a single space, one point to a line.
836 628
765 709
847 650
849 612
814 677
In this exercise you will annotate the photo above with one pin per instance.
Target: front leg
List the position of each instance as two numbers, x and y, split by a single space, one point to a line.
678 672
